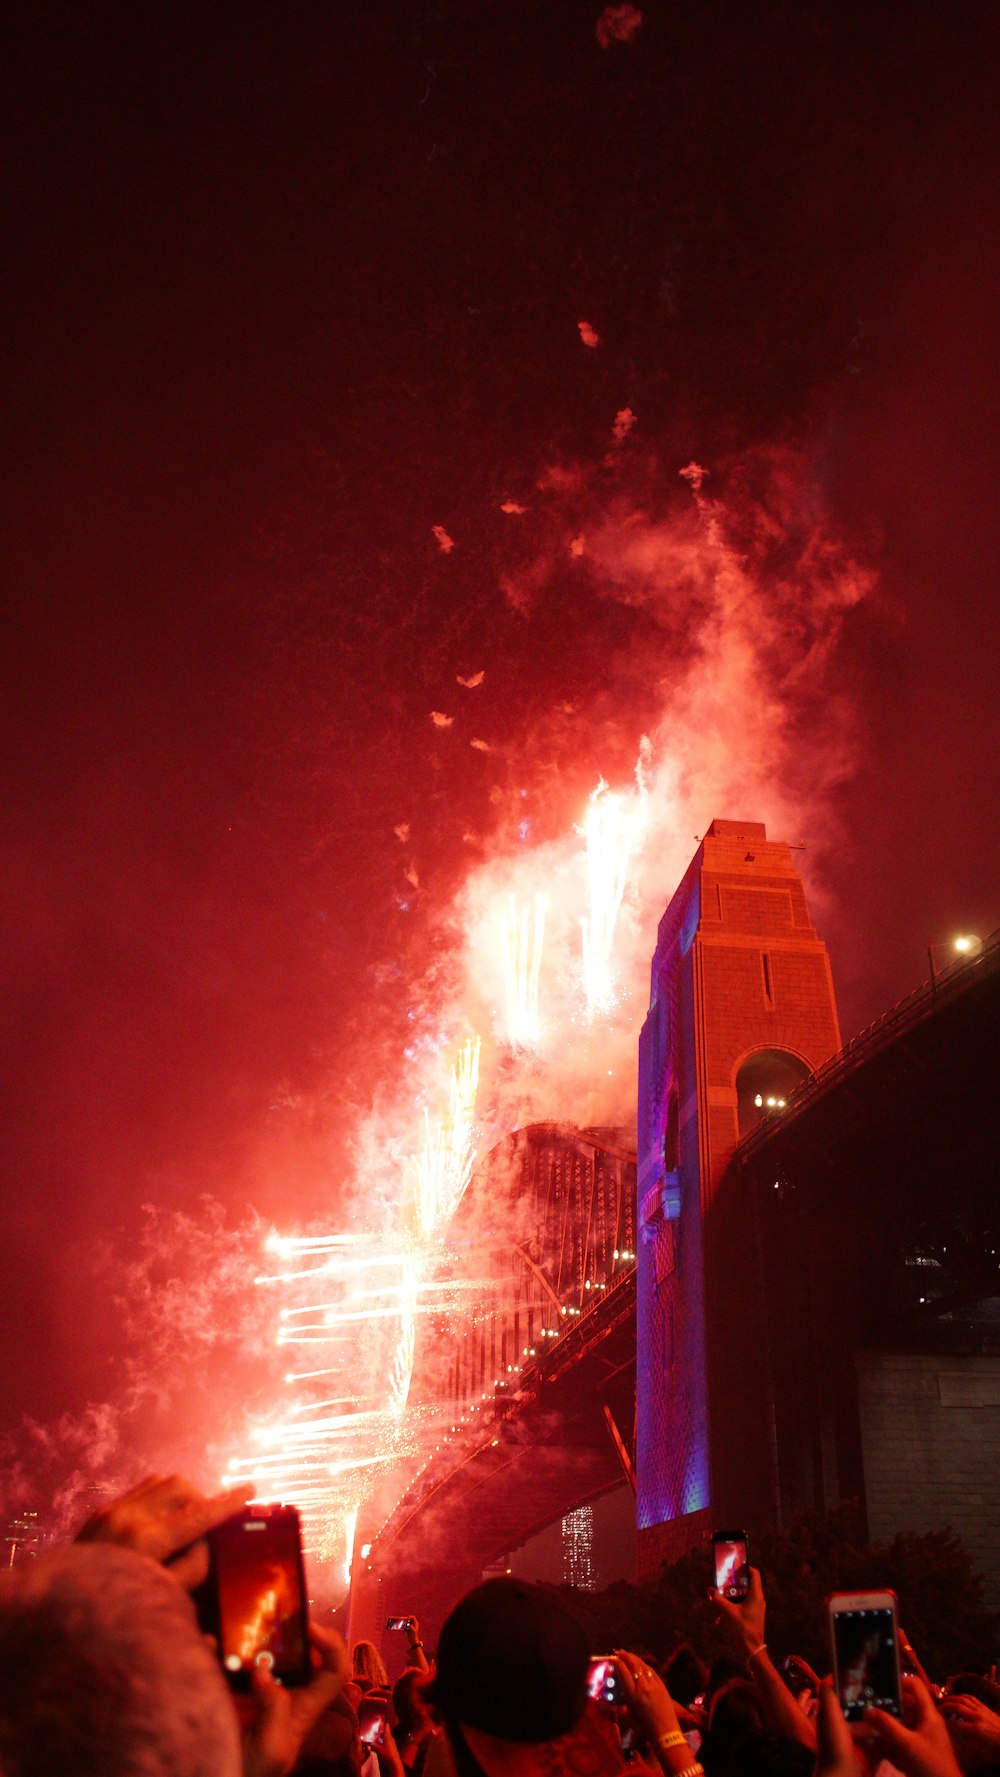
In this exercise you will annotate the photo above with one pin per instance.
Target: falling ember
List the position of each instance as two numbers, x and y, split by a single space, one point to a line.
617 24
350 1526
523 942
694 475
440 1171
463 1094
610 833
401 1371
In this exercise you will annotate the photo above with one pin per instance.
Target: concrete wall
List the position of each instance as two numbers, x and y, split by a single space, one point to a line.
930 1431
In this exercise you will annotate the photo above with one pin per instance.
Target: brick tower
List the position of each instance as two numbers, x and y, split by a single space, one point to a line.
741 1011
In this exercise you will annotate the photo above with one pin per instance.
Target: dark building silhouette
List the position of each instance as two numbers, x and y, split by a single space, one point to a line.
859 1233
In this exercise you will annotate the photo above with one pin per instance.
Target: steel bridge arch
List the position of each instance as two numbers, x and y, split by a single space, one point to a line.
546 1228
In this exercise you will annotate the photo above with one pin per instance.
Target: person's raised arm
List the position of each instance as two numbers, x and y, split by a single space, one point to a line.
836 1756
912 1660
280 1719
918 1744
744 1627
166 1520
391 1754
652 1711
974 1729
417 1654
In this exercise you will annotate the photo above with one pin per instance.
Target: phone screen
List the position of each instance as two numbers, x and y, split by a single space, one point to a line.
372 1726
397 1622
866 1660
603 1683
260 1602
732 1567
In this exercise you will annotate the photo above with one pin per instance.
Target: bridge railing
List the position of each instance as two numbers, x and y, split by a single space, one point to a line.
947 984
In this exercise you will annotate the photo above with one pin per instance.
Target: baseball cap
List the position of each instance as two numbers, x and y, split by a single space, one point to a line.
512 1662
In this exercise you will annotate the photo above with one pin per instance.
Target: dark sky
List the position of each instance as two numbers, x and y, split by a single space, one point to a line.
293 284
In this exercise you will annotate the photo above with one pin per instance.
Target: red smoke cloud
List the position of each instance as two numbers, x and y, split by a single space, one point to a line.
720 698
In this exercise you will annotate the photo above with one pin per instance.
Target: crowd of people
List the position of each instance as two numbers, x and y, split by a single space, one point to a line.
105 1670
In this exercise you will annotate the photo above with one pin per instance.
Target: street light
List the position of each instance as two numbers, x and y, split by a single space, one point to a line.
962 949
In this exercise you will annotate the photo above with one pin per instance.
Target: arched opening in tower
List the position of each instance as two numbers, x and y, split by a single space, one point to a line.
764 1084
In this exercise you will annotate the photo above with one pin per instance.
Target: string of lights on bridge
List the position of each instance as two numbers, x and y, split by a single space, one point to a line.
571 1311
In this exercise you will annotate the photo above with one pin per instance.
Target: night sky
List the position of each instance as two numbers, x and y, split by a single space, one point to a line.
293 285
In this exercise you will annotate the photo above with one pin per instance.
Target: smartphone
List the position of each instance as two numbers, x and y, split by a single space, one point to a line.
865 1639
372 1724
732 1564
254 1601
398 1622
603 1680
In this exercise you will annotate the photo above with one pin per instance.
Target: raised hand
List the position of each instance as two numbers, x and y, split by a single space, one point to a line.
280 1719
743 1623
164 1518
919 1744
974 1729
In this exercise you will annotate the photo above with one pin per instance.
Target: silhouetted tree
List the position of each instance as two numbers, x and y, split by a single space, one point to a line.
941 1602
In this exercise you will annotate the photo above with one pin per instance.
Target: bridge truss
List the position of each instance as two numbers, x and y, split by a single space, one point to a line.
524 1383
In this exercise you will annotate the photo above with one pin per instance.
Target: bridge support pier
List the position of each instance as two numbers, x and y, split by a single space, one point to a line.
741 1012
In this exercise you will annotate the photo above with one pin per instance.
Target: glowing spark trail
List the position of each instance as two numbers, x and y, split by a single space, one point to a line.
349 1283
441 1170
610 833
401 1371
350 1526
523 943
440 1173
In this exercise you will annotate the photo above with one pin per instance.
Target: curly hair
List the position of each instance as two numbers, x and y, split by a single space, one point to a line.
368 1666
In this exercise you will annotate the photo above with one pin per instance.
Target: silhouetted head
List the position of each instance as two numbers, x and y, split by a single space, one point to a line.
512 1662
368 1666
102 1668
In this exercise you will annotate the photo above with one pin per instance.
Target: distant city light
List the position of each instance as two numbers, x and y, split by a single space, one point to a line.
577 1548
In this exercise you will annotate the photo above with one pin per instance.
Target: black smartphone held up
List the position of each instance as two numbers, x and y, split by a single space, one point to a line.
398 1622
864 1636
732 1564
254 1601
603 1681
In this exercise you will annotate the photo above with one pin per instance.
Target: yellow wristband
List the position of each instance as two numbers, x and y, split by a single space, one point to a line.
674 1739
